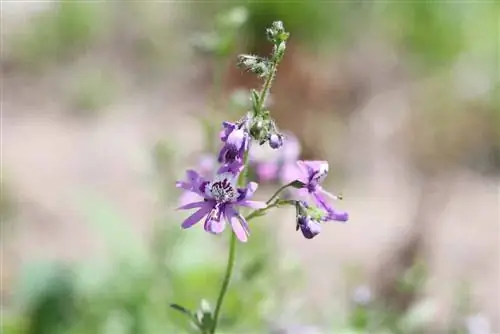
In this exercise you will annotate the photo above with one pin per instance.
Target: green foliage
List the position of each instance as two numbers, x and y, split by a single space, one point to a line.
67 27
312 22
435 32
130 291
8 202
91 92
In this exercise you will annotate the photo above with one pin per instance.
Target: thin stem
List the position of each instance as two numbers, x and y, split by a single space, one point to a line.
242 181
267 85
231 257
225 282
278 192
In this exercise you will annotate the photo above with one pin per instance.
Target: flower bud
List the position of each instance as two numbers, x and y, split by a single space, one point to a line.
247 61
309 227
279 50
257 128
275 141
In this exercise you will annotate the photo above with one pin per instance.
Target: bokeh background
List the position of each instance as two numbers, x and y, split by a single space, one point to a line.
105 103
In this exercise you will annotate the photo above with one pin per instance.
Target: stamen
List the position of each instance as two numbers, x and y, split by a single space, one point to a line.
223 190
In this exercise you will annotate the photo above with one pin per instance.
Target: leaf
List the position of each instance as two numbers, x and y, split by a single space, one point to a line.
115 229
183 310
297 184
255 100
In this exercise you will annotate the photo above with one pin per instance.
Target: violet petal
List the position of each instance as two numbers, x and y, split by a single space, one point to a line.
197 216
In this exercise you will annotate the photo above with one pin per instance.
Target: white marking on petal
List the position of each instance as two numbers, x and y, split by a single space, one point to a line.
222 188
323 171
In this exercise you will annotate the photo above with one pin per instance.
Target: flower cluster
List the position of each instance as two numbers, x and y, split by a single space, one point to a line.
217 197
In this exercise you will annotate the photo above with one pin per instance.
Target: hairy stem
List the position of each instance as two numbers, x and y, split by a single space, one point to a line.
267 86
242 182
231 257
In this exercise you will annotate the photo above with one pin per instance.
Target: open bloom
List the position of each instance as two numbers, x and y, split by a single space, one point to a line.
311 174
308 226
206 167
220 199
236 142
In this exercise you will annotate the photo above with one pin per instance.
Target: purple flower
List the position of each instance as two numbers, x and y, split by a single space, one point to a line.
236 142
275 141
220 197
308 226
312 173
206 166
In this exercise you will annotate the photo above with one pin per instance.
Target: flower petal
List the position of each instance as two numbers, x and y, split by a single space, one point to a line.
214 226
192 175
291 148
252 204
340 216
183 185
215 223
248 191
238 224
197 216
236 139
234 168
291 172
192 205
312 167
321 202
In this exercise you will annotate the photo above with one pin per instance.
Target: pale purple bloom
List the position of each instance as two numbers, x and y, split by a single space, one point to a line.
312 173
275 141
206 167
236 142
220 197
308 226
267 171
234 168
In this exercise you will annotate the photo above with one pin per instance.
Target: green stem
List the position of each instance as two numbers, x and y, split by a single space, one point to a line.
231 257
242 182
225 282
255 213
279 191
267 86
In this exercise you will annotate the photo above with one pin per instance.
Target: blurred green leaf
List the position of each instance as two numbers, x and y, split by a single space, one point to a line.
115 229
67 27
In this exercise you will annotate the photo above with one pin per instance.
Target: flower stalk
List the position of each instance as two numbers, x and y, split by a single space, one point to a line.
218 200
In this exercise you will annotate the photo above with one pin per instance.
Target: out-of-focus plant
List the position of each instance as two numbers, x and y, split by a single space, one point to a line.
219 44
8 202
68 27
314 22
91 92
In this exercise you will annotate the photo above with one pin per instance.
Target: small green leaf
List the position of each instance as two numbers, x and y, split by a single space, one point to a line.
255 100
182 310
297 184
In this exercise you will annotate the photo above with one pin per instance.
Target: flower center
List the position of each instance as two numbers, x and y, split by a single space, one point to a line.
222 191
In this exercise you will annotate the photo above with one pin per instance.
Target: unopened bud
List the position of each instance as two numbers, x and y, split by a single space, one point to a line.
275 141
279 50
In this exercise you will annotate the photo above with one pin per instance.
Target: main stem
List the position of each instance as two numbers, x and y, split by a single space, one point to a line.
241 182
231 257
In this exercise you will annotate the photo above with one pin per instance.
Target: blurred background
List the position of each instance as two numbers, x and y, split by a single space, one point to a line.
106 103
